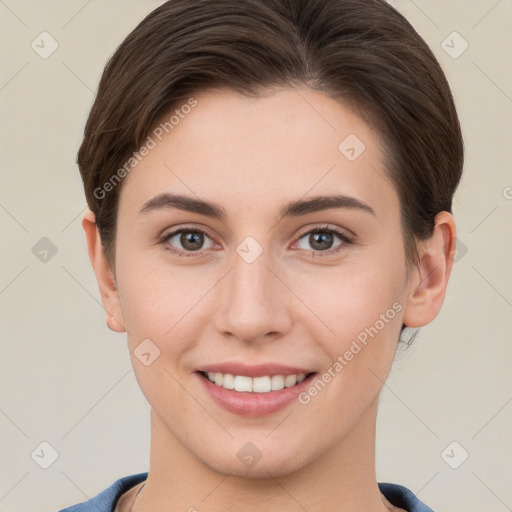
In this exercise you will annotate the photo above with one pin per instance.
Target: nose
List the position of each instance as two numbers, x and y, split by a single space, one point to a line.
253 302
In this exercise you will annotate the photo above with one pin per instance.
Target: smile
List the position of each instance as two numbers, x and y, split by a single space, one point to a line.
264 384
253 396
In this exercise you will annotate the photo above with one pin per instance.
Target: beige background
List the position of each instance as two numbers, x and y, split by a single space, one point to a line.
67 380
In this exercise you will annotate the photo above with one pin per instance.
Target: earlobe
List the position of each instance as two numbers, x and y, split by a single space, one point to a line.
104 275
430 279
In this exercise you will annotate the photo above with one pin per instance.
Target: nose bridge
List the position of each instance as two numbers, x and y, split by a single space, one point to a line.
252 302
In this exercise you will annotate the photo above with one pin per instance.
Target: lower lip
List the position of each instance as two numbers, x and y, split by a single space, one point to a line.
254 404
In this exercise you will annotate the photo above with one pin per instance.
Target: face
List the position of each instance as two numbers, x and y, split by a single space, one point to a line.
266 282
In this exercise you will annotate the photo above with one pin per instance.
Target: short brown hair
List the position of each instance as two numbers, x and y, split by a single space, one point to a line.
364 53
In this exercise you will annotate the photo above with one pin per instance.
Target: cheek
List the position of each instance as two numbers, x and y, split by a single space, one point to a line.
163 303
350 298
360 309
358 327
161 310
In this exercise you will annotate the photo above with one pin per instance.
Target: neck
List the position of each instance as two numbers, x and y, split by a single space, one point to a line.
341 479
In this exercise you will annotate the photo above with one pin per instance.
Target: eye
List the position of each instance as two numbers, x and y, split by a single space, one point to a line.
321 240
190 240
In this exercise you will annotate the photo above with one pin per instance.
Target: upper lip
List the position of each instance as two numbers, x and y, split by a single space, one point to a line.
258 370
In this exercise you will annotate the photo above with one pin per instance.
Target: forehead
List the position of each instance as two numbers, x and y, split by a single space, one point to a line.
259 153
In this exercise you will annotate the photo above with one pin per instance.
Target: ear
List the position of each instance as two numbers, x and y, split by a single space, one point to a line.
104 275
428 282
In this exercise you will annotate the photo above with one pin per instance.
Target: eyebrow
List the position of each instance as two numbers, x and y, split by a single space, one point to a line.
294 209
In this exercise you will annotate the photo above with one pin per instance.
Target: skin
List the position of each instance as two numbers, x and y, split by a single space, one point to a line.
291 305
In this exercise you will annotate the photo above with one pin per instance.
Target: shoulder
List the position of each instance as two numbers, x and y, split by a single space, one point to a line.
106 500
402 497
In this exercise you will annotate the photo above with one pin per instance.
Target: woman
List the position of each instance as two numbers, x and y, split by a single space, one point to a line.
270 186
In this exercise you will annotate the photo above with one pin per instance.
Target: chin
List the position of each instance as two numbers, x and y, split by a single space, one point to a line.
257 460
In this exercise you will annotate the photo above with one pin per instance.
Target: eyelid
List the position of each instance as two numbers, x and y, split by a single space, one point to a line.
168 233
326 227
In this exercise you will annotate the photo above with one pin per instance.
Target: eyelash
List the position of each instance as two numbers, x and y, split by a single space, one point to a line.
347 240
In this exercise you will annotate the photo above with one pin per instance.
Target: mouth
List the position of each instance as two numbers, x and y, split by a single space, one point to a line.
257 385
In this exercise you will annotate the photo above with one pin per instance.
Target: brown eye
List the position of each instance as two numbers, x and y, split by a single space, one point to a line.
187 241
321 240
191 241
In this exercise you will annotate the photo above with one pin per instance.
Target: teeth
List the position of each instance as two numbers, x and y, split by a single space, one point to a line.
277 382
256 384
